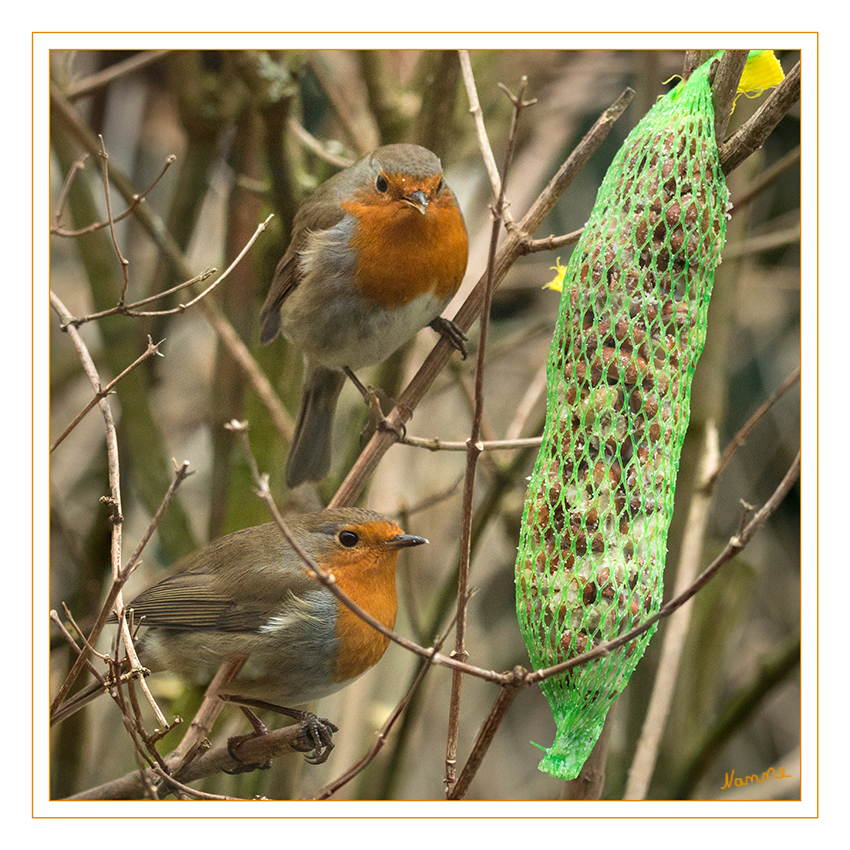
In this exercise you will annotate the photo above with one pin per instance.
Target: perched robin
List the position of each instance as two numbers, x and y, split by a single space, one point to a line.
376 254
249 595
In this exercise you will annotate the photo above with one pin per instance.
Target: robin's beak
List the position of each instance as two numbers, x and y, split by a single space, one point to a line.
418 200
403 541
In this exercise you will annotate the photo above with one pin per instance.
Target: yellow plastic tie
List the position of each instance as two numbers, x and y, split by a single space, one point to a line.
557 282
761 72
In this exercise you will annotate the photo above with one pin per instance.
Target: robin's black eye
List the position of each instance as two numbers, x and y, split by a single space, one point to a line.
381 184
439 186
348 538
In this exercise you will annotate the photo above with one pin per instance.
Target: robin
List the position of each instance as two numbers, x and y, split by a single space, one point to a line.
250 595
376 254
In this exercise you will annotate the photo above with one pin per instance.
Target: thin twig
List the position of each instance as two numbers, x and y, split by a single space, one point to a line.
135 663
92 83
435 444
122 260
105 391
130 309
54 616
143 743
114 482
478 123
473 444
507 694
181 473
58 230
312 143
237 259
740 437
552 243
79 165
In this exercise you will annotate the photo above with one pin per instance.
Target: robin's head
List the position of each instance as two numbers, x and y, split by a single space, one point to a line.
352 542
407 175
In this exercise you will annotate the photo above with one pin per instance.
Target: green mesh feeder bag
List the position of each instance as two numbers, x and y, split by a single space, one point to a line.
630 330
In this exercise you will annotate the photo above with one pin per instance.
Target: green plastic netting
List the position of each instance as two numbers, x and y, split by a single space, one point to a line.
630 330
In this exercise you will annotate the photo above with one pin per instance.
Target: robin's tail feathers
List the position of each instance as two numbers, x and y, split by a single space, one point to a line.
310 454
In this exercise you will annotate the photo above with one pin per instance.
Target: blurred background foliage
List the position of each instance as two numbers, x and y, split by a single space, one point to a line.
253 133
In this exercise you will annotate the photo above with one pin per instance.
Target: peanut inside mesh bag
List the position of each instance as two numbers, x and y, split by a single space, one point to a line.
630 330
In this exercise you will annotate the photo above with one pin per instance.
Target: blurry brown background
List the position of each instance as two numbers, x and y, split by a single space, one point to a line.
234 121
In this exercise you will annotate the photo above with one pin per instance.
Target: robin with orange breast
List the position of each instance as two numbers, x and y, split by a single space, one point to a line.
250 596
376 254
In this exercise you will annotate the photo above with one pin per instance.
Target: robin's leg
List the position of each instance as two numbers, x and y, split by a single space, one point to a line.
236 741
377 418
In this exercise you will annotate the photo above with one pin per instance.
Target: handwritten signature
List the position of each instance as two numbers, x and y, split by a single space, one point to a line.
740 782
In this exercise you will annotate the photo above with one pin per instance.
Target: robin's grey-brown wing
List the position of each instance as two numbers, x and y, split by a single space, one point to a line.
198 595
321 211
188 602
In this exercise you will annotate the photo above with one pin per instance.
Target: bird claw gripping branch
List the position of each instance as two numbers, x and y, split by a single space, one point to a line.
318 737
316 741
630 330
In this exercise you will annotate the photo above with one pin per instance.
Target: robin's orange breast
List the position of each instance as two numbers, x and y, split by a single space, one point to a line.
360 645
403 254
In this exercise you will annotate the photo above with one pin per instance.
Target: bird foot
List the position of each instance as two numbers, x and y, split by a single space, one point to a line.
318 737
379 404
452 332
316 733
